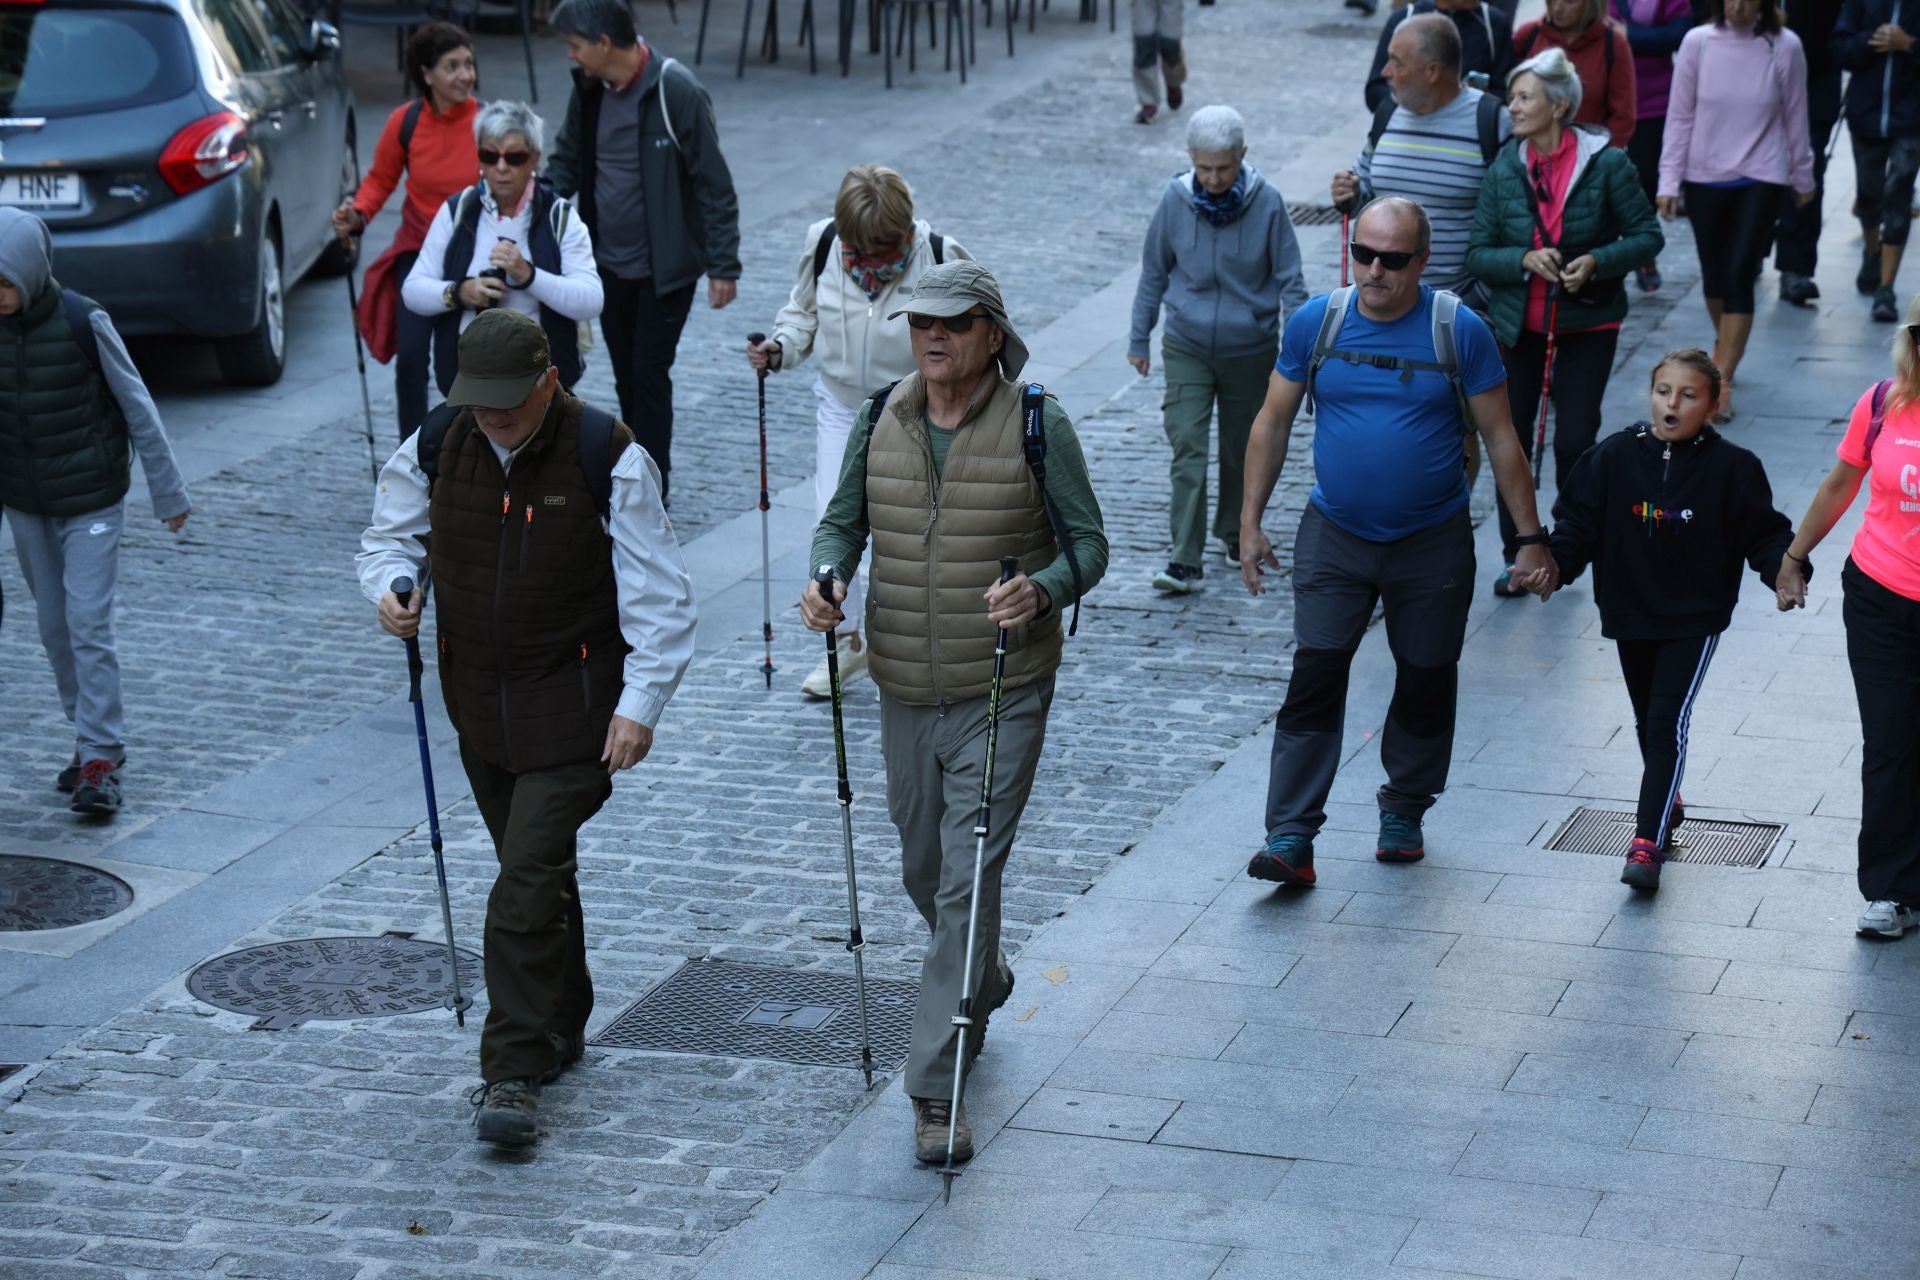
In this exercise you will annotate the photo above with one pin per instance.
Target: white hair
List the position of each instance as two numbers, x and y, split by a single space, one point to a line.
498 121
1557 76
1217 128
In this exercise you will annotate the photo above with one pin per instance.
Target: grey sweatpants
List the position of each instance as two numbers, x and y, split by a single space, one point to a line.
1425 580
935 758
1157 28
70 564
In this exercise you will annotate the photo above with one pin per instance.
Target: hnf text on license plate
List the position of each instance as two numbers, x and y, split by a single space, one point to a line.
40 190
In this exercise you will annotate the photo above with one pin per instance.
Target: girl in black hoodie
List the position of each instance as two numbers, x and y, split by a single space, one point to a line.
1665 512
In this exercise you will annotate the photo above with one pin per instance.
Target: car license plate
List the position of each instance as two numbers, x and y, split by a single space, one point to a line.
40 190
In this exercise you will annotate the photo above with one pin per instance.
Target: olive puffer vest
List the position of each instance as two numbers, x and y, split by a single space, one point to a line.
937 545
63 443
531 654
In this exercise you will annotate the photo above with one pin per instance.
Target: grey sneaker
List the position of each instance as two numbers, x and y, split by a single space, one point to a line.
1884 919
507 1113
97 790
1400 838
1179 579
1797 289
68 778
567 1051
1885 308
995 991
930 1116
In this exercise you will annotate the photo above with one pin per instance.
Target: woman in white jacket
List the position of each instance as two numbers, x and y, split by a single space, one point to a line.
852 268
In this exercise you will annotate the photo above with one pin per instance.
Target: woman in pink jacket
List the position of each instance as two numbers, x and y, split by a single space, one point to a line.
1736 143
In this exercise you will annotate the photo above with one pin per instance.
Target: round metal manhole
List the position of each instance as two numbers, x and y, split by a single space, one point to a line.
287 983
46 893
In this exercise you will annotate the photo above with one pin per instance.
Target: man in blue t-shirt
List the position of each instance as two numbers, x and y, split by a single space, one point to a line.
1387 522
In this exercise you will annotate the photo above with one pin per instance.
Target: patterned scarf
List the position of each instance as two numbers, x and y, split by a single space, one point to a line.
875 272
1221 209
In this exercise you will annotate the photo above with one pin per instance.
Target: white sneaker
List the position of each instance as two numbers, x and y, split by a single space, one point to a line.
1885 919
853 665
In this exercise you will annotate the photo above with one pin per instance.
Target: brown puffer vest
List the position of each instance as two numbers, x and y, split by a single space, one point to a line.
937 547
530 647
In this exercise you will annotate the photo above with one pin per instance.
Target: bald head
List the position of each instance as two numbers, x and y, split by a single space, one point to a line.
1395 221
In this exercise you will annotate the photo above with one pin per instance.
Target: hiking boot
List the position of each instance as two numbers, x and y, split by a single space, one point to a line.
507 1113
1284 859
1175 97
1179 579
68 778
1232 556
1648 278
567 1050
996 990
930 1131
1797 289
1885 309
1144 115
1400 838
98 788
1885 919
853 665
1505 587
1868 278
1643 865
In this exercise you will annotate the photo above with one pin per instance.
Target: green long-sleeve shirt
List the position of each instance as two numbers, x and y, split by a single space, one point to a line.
841 535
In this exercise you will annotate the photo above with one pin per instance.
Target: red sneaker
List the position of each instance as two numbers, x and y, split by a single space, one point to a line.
1643 865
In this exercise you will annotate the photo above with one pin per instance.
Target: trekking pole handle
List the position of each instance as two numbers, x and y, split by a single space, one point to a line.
823 579
1009 565
756 338
402 588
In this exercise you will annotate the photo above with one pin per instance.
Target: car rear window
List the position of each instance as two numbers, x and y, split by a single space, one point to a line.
71 59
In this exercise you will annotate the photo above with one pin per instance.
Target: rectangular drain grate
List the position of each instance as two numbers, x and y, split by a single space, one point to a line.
1313 215
734 1010
1609 832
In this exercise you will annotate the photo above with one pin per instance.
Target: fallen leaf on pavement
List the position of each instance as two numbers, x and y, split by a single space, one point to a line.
1055 975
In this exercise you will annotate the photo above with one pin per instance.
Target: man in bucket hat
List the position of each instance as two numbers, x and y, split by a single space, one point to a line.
565 619
938 472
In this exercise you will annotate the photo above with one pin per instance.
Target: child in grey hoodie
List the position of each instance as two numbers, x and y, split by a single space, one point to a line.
1222 259
73 411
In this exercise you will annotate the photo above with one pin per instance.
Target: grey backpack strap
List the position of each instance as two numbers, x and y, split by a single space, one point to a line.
1446 352
1327 340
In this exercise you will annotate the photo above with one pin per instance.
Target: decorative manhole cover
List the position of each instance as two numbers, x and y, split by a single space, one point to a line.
735 1010
1609 832
46 893
1313 215
287 983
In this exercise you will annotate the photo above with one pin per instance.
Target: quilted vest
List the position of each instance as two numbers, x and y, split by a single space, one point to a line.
543 251
63 444
937 546
531 654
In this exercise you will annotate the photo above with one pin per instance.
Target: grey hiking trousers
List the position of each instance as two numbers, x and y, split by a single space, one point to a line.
1157 28
71 564
935 758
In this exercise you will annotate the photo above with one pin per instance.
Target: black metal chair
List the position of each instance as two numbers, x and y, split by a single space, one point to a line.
400 15
469 13
900 22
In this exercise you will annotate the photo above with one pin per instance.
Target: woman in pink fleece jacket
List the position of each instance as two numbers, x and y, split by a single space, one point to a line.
1736 142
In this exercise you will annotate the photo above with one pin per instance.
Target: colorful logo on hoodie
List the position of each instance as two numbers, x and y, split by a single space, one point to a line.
1657 517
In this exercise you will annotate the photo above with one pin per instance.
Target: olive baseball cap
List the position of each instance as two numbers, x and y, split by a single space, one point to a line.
957 287
503 354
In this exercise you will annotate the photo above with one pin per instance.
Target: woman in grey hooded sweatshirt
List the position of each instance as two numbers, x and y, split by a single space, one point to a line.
73 412
1221 259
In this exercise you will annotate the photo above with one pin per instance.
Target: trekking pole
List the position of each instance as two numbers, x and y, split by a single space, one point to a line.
855 940
1344 234
458 1001
963 1021
360 349
766 559
1546 384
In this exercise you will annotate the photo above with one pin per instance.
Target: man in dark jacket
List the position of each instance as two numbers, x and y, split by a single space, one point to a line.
1486 44
1797 252
640 143
1883 114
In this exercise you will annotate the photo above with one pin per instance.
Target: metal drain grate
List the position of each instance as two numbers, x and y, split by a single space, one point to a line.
1313 215
288 983
735 1010
46 893
1609 832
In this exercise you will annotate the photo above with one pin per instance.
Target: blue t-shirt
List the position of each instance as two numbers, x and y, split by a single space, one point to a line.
1387 455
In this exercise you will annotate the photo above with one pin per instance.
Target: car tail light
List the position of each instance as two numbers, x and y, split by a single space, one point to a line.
204 152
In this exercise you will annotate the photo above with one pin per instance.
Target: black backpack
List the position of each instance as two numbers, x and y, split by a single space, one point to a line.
824 250
596 444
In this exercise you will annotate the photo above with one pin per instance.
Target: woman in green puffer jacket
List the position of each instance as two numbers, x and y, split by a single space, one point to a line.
1562 221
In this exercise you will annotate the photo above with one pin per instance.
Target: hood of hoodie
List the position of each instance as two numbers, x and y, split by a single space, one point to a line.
26 253
1183 183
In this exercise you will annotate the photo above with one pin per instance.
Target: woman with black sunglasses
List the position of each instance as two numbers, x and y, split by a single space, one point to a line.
1561 222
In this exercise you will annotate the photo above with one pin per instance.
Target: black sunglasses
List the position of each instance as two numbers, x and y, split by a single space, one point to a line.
954 324
1366 256
490 158
1913 331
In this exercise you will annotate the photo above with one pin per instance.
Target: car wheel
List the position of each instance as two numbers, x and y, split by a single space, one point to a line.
258 358
338 259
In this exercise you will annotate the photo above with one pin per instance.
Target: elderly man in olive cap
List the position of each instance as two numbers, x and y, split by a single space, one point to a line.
565 619
951 468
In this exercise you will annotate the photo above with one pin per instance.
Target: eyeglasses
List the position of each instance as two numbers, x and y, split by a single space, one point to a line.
490 157
954 324
1366 257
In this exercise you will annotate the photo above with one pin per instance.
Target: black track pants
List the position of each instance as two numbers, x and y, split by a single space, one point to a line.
1663 680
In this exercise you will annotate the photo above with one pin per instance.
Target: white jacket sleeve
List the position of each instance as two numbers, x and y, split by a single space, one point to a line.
424 290
576 292
395 544
654 589
799 320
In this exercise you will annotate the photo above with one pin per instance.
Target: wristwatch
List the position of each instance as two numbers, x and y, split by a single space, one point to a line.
451 295
1532 539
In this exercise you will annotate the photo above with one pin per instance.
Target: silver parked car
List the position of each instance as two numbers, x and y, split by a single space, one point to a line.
186 155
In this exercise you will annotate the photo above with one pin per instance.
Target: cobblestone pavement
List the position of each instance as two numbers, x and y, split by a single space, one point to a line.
172 1139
